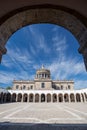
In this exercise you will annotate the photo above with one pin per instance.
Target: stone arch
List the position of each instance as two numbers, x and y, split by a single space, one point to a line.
82 95
8 97
43 97
1 97
85 96
44 14
19 97
37 97
54 97
48 97
66 97
60 96
14 97
31 97
72 97
4 97
25 97
78 97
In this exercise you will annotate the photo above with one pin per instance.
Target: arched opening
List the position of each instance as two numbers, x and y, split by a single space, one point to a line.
82 97
8 99
14 97
36 97
54 97
44 15
85 96
72 97
42 97
66 98
60 96
48 97
25 97
43 47
31 97
19 97
1 97
78 98
4 97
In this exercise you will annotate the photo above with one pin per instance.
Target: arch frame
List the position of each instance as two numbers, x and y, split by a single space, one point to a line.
58 15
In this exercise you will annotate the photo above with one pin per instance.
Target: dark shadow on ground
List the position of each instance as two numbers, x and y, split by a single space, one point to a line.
41 126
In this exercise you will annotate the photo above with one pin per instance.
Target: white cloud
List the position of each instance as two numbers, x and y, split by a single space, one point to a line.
67 68
39 40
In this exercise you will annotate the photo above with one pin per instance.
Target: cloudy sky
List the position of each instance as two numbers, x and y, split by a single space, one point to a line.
47 44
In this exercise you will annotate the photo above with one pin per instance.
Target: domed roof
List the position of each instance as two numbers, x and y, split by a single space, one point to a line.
43 70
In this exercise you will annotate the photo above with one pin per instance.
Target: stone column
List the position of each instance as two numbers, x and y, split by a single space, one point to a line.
69 98
63 99
75 98
33 98
28 99
57 98
84 98
16 97
39 98
11 99
22 98
45 98
81 98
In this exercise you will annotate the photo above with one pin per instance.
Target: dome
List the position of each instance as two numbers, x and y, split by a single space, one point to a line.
43 73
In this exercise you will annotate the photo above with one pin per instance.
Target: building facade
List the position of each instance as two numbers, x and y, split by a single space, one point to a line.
43 89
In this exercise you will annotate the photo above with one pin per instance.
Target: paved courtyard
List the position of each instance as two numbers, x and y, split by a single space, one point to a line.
65 113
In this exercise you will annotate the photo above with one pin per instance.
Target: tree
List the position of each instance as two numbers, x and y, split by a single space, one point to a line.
7 88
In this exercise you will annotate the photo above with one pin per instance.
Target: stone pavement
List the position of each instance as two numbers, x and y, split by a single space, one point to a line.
33 116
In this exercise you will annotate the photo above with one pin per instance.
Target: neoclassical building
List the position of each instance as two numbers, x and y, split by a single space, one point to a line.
43 89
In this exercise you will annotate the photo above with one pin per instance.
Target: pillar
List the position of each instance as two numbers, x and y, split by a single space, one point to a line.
16 97
33 98
28 98
69 98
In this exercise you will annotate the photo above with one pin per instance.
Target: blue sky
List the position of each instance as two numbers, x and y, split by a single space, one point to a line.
48 44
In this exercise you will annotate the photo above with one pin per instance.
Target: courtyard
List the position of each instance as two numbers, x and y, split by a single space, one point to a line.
50 113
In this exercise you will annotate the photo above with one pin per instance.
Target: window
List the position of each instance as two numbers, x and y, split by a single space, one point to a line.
17 86
31 87
61 86
43 85
68 86
24 87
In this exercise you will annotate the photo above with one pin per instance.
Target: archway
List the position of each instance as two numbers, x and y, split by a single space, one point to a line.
72 97
48 97
54 97
42 97
85 96
8 97
36 97
82 97
78 98
44 14
19 97
66 98
1 97
60 96
25 97
31 96
4 97
14 97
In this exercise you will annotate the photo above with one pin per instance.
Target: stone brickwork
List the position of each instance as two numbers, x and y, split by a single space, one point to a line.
45 15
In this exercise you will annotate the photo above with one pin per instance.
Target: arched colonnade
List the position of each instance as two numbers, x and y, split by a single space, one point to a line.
42 97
